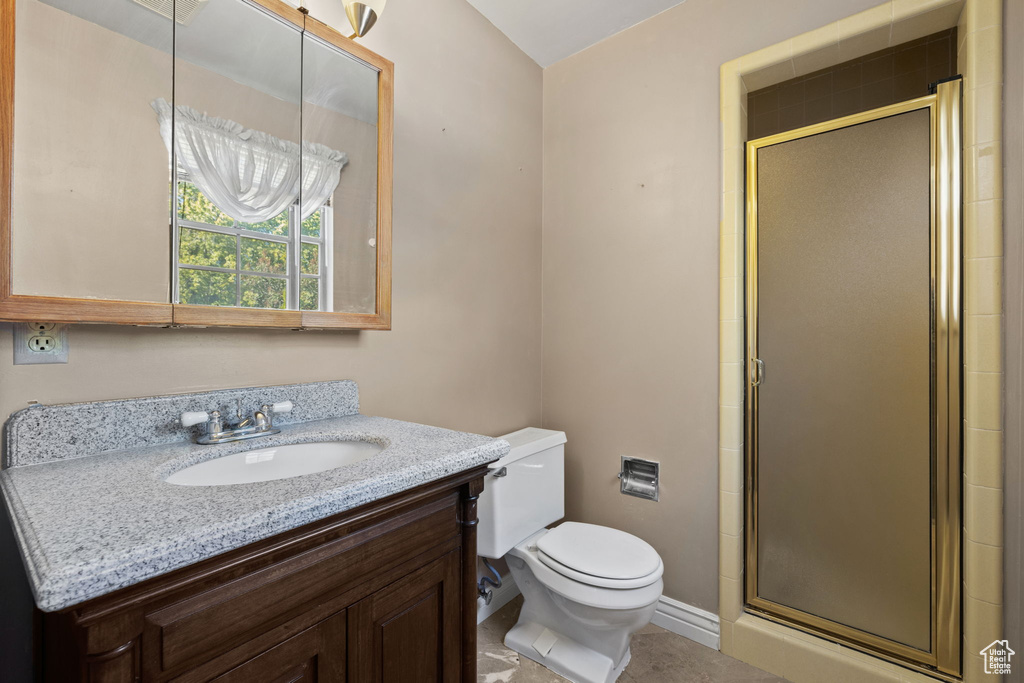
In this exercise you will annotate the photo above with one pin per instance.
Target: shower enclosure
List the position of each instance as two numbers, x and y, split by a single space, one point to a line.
853 395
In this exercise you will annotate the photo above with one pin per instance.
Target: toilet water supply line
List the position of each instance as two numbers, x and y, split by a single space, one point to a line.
481 587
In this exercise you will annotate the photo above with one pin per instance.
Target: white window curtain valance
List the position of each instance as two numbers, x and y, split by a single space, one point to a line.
250 175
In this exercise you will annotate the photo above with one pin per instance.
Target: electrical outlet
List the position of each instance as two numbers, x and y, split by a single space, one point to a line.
40 343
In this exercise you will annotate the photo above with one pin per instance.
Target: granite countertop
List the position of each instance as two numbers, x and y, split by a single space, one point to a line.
87 526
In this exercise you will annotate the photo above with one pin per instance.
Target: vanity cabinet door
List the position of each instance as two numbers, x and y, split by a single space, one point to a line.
410 631
316 655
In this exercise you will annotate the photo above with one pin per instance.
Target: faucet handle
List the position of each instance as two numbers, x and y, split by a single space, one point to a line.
192 418
282 407
263 418
214 424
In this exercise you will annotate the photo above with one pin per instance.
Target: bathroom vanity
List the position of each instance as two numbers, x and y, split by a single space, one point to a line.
365 572
385 592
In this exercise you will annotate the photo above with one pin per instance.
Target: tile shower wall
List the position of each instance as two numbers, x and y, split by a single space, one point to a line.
892 75
980 52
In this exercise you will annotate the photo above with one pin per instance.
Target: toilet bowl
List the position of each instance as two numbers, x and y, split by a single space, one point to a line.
578 625
586 588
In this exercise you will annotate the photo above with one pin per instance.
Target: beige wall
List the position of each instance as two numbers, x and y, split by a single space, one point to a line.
465 348
1013 235
631 212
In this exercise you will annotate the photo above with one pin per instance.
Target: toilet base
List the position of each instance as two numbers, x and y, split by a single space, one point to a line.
567 658
577 630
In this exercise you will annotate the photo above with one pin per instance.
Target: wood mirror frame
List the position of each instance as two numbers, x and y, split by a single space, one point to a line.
28 308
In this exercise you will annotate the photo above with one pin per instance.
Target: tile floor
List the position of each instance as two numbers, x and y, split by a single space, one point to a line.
659 656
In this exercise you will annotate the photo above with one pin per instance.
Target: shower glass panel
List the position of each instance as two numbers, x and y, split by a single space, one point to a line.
848 335
845 414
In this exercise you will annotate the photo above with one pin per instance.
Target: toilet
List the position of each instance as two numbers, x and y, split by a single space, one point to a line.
586 588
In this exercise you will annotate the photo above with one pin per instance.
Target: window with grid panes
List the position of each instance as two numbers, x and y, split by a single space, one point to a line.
274 264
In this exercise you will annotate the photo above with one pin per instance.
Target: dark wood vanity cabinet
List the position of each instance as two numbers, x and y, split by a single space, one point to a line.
384 593
316 654
409 631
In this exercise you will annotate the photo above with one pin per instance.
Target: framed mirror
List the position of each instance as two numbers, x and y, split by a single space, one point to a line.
227 167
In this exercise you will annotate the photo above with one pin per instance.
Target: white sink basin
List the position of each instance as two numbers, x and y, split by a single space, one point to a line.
280 462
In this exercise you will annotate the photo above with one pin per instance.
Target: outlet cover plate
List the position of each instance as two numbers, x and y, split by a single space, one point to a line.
25 332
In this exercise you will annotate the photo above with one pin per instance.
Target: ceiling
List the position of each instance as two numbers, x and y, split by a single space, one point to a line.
551 30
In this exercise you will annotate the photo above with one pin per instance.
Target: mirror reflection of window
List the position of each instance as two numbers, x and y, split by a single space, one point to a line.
225 262
235 132
252 215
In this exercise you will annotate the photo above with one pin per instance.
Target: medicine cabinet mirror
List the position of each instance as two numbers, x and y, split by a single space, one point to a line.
200 162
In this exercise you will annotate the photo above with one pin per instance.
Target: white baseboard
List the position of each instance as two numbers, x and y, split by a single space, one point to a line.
672 615
687 621
499 598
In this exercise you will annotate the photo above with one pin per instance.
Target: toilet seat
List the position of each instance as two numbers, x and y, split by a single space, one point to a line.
601 581
584 592
600 556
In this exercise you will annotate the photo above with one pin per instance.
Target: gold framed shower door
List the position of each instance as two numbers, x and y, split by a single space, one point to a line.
942 656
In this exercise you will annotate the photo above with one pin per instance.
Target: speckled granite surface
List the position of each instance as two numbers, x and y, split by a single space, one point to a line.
44 433
90 525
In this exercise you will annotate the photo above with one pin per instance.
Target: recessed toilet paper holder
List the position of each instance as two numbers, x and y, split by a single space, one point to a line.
639 477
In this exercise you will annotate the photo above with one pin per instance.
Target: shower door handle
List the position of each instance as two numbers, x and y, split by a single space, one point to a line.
756 372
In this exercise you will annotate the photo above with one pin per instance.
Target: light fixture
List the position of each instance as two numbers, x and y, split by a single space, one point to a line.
363 14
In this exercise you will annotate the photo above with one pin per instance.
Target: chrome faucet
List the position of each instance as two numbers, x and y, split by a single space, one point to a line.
260 423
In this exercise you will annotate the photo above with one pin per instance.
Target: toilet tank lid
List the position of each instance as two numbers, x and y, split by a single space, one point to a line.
527 442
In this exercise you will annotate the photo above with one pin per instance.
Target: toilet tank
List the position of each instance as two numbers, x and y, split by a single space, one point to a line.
529 496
